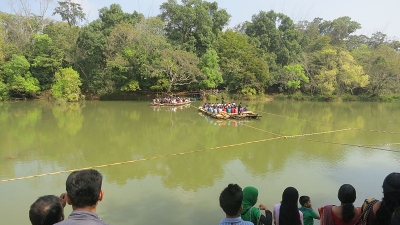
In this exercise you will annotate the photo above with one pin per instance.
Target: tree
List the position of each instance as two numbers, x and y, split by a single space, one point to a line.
178 67
209 66
382 65
294 77
243 67
277 34
63 40
70 11
132 53
195 25
45 59
112 16
339 29
337 72
67 85
91 59
351 73
18 78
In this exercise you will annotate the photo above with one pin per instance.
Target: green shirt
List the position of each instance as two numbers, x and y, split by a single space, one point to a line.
308 215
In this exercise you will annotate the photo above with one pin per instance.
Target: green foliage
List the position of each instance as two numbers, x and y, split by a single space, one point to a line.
45 59
18 79
112 16
277 34
3 91
67 85
339 29
132 85
242 65
209 66
195 25
389 98
179 67
91 60
295 76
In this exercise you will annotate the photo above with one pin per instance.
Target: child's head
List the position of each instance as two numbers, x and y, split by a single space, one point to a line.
305 201
230 199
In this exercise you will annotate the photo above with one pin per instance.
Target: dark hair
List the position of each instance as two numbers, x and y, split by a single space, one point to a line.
288 212
46 210
391 198
303 200
230 199
347 196
395 217
83 187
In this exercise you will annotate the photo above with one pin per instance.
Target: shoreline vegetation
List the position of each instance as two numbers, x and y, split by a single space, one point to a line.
189 46
208 97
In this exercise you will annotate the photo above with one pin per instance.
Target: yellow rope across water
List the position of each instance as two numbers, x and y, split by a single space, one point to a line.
330 142
317 122
279 136
139 160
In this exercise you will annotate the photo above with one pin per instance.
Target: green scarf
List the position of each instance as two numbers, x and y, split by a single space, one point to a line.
250 196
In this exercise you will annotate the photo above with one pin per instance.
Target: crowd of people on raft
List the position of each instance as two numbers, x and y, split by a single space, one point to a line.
170 100
233 108
83 192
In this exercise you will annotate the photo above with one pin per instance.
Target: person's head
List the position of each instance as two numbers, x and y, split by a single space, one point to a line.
305 201
230 199
46 210
347 196
391 198
289 213
250 196
84 188
391 188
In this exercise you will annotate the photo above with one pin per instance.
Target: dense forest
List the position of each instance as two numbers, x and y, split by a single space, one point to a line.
188 46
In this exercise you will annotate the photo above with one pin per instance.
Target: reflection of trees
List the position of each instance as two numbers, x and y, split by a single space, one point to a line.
69 117
109 132
18 138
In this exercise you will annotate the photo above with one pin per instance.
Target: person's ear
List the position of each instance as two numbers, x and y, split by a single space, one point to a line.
241 208
101 195
68 200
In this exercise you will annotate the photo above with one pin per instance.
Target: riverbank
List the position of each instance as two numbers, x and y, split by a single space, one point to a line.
209 96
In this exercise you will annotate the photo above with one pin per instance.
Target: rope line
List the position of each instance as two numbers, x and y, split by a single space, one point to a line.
317 122
139 160
336 143
279 136
351 145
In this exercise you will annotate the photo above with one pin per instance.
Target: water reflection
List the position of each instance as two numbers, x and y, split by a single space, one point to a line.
38 137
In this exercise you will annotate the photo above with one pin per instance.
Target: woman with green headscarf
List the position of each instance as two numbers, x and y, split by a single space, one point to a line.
251 213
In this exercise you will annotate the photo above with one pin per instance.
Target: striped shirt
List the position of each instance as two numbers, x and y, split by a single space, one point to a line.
234 221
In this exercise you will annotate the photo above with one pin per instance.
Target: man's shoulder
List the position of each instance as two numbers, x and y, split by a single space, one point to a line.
81 222
82 217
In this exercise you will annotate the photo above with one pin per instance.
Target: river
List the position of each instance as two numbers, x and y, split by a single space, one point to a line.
168 165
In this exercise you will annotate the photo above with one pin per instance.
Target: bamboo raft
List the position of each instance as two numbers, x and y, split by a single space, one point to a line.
171 104
226 116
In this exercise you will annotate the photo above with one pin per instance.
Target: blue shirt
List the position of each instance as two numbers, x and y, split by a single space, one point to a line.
234 221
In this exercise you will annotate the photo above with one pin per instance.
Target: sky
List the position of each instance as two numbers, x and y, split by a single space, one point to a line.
373 15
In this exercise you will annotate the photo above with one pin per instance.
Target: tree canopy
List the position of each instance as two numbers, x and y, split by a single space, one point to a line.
190 46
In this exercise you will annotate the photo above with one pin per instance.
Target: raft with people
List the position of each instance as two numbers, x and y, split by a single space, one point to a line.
170 102
225 115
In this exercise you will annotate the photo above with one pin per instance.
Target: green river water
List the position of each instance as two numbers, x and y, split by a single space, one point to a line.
313 146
